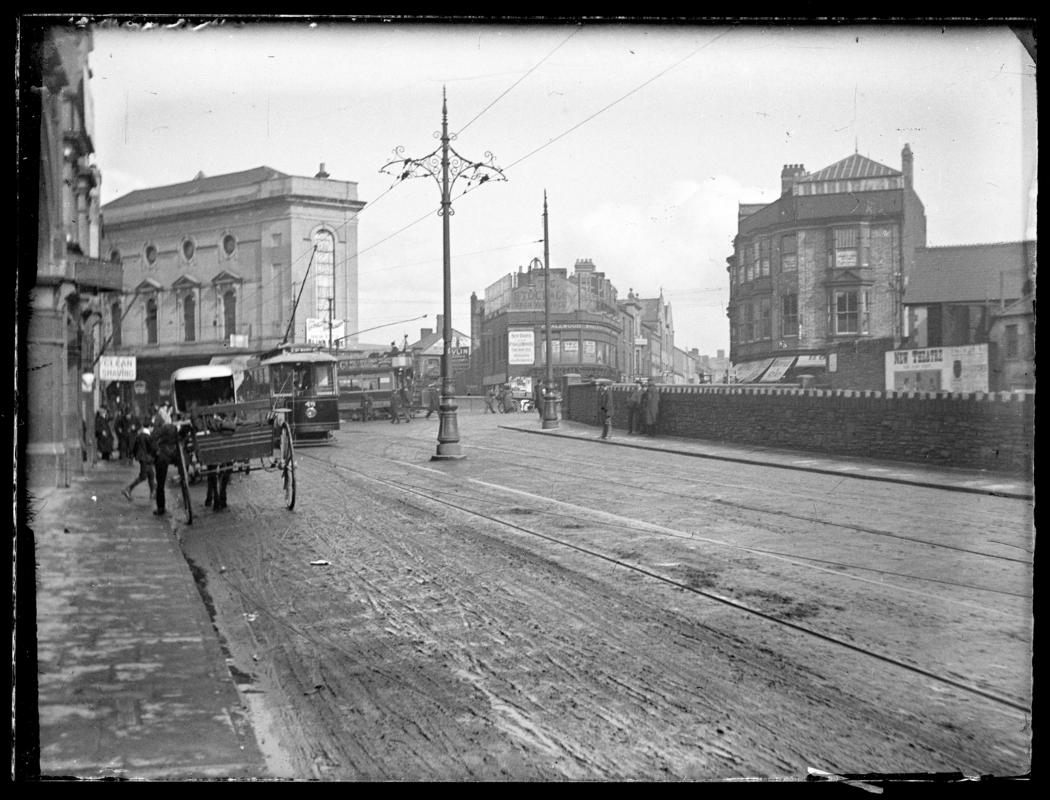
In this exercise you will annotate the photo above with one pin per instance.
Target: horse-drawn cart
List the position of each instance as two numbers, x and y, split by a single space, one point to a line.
219 436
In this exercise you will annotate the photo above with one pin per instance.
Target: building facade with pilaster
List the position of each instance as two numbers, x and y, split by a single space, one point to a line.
213 268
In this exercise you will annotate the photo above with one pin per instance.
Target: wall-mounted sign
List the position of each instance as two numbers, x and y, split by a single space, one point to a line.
317 330
116 368
460 358
521 347
140 387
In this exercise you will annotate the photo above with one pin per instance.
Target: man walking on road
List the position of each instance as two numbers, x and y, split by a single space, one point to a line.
490 401
143 452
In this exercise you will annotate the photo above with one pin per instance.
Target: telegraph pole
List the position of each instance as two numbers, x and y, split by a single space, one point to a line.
550 408
445 166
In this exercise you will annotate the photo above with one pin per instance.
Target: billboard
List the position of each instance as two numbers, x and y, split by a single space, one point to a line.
317 330
938 369
521 347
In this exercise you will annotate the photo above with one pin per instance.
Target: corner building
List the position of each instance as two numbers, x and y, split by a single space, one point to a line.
825 265
213 268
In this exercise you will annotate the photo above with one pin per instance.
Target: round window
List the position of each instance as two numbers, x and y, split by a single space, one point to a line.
188 249
151 254
229 244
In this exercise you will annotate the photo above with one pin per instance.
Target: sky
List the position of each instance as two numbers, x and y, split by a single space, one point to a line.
644 137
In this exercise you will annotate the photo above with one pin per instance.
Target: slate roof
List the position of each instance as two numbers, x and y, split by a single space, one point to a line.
230 180
970 273
854 166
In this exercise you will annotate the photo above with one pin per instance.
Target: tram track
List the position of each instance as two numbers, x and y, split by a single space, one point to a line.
1005 702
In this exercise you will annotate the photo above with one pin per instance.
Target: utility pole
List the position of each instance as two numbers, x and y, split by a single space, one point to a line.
330 299
445 166
550 408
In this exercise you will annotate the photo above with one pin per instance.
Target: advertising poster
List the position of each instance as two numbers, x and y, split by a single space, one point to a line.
521 347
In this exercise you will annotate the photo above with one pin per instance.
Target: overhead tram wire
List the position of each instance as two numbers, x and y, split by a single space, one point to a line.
637 88
579 27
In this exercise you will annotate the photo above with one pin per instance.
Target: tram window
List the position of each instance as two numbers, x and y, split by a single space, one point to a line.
324 377
281 379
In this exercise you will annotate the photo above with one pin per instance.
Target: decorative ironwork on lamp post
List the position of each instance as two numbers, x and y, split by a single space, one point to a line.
445 166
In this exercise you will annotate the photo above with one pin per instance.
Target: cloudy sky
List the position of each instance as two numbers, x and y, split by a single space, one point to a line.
645 137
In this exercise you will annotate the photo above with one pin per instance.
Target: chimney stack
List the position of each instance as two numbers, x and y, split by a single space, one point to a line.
789 175
907 166
321 173
424 333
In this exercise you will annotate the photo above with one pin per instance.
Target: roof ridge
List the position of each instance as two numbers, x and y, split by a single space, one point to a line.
976 244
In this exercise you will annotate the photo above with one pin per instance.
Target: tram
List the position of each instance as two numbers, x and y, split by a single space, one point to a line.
376 377
303 379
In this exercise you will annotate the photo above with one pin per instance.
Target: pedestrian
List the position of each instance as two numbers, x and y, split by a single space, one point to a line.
166 452
404 404
490 401
144 453
634 409
163 415
504 402
605 408
395 407
366 407
432 400
103 435
651 408
120 431
537 398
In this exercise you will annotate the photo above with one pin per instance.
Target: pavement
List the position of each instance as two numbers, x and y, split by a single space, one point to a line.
133 682
907 473
133 679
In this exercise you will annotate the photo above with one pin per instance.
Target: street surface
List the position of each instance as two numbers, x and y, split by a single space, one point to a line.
551 608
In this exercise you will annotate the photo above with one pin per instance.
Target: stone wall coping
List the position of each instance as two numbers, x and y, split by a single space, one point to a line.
868 394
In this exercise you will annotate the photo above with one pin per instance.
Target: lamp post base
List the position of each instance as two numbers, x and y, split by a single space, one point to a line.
448 431
550 413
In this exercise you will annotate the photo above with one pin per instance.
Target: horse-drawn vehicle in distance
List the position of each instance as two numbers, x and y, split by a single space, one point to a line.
220 435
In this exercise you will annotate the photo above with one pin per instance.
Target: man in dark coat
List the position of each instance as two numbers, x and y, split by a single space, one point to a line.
634 409
166 442
605 408
651 408
103 434
143 452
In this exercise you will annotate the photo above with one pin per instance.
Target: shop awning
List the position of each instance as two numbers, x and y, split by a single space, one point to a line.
749 371
778 369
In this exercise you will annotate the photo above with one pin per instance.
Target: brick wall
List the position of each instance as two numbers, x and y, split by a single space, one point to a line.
980 431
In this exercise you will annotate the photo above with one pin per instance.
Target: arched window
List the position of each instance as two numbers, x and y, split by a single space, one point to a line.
151 321
229 312
324 271
114 311
189 318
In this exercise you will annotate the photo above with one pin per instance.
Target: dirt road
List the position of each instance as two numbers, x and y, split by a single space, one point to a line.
553 609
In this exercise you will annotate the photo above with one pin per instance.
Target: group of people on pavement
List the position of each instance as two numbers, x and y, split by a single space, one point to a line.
115 431
643 409
500 401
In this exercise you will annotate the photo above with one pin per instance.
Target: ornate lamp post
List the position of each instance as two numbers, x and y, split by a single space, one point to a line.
445 166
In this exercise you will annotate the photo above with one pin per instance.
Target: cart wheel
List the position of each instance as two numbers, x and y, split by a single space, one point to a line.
184 484
288 467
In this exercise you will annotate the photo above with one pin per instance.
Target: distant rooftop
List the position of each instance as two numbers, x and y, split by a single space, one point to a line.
199 185
854 166
970 273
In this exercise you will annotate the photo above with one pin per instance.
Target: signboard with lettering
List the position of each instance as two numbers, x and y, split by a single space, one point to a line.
116 368
932 369
140 387
460 358
317 330
521 347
